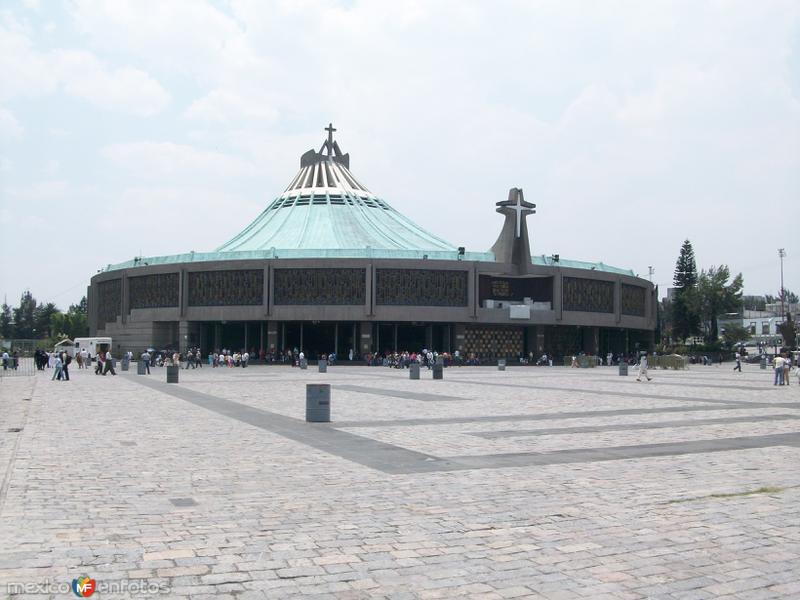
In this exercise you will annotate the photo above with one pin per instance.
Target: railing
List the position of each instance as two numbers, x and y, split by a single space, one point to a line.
17 367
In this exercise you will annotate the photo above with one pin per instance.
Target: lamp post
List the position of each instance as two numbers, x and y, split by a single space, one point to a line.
782 254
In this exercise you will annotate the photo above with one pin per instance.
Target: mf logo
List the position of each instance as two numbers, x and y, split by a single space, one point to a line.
83 586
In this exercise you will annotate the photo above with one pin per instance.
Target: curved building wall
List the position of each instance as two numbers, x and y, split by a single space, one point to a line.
472 305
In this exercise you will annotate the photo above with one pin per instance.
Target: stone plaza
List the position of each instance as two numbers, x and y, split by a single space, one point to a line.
533 482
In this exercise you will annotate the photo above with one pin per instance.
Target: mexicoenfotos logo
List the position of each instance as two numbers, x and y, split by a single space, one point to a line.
83 586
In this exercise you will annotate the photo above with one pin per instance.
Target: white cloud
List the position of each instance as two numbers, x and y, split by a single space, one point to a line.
10 127
29 72
125 89
223 106
166 159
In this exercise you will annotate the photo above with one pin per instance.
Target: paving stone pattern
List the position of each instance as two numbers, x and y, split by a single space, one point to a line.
530 483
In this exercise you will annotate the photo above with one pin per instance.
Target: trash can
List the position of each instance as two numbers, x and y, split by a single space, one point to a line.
318 403
763 363
438 371
141 368
413 370
323 366
623 369
303 363
172 374
125 364
501 364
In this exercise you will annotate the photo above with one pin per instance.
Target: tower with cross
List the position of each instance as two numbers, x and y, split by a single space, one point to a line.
512 246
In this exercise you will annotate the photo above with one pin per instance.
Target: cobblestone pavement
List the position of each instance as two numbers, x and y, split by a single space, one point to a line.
530 483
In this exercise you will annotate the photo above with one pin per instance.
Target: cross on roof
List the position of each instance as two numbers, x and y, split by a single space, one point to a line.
516 204
330 129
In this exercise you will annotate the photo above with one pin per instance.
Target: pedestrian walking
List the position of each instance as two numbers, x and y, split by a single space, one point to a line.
778 363
145 358
738 366
66 359
109 366
643 368
57 366
787 369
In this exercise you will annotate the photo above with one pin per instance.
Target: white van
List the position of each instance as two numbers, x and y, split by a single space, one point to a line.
93 345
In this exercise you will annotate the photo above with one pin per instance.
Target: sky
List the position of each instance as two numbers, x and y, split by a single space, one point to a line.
152 128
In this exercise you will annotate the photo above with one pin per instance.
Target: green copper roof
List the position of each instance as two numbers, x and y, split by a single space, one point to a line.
333 221
326 212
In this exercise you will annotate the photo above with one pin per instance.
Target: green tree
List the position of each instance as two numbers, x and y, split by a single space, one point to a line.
685 317
788 330
715 296
754 302
42 316
734 334
24 317
5 321
73 323
790 297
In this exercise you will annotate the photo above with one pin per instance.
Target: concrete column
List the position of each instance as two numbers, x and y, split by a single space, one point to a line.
365 343
618 300
217 336
594 341
273 329
336 339
460 331
125 299
261 337
429 336
370 290
183 292
246 338
394 346
558 304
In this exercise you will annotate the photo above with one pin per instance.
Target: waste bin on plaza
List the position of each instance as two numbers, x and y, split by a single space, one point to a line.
763 363
303 363
141 368
318 402
413 370
623 369
501 364
172 374
323 366
438 371
126 364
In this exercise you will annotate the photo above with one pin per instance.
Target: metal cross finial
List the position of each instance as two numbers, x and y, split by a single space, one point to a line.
330 129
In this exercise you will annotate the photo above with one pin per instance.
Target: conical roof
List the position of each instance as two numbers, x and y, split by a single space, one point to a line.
326 209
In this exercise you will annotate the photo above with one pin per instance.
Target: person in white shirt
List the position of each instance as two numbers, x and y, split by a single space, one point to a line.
109 364
643 368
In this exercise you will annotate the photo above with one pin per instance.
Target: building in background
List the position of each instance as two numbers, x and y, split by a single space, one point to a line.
329 266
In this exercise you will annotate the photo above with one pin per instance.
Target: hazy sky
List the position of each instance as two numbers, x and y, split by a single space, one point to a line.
163 127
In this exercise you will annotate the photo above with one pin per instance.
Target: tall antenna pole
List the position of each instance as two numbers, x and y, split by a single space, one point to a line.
650 271
782 254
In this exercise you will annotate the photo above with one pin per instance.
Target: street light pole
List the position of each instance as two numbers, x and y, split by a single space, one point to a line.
782 254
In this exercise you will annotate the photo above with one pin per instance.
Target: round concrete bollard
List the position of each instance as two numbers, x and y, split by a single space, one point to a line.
323 366
172 374
413 371
303 364
318 403
763 363
623 369
438 371
141 368
501 364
